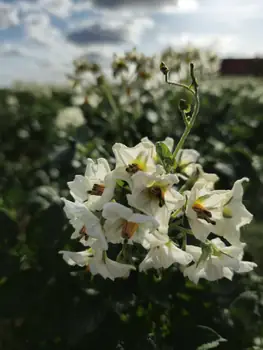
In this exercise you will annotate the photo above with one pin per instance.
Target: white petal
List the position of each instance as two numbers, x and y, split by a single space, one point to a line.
115 211
228 273
237 189
76 258
194 273
118 270
194 251
140 219
213 272
200 228
79 188
178 255
113 231
246 266
187 156
173 199
103 168
169 142
98 267
90 168
73 209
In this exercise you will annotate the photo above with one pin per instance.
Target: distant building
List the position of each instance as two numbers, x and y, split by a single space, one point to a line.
242 67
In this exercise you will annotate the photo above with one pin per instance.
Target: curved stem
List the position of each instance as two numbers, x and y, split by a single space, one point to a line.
188 126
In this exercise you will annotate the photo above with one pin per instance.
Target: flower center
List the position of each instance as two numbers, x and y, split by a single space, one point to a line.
132 168
203 213
138 164
84 232
128 229
157 193
97 190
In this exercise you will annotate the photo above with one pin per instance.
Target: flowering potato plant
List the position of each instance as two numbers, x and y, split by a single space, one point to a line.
160 208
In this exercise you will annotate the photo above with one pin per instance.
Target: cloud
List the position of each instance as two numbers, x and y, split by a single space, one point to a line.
115 4
8 15
182 6
223 44
58 8
98 33
110 31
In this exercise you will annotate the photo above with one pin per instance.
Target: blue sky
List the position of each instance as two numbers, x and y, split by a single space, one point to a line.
40 38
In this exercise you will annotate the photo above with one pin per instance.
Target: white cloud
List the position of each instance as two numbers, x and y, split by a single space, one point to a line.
182 6
222 44
8 15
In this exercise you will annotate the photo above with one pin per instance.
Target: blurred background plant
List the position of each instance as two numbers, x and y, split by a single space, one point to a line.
46 135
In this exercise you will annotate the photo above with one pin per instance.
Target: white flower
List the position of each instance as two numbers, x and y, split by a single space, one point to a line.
163 253
216 261
129 160
209 178
97 186
70 116
234 215
153 194
97 262
186 161
85 223
204 208
122 223
77 258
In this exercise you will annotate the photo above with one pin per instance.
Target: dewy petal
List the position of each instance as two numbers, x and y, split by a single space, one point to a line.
157 239
118 270
186 156
73 209
97 170
90 168
213 272
209 178
163 216
103 168
228 273
178 255
194 273
169 142
200 228
113 231
194 251
238 190
246 266
98 267
115 211
173 199
140 219
77 258
79 188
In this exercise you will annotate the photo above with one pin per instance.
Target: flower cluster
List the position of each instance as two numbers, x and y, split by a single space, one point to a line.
149 207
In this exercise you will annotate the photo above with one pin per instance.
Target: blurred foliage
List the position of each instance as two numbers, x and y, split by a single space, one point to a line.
47 305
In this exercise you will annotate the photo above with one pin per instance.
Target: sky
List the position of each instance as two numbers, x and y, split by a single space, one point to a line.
39 39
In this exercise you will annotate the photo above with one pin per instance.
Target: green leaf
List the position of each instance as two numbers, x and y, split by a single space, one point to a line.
214 339
212 345
184 106
165 156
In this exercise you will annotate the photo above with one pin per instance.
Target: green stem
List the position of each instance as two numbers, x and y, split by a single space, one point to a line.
181 229
188 126
111 100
